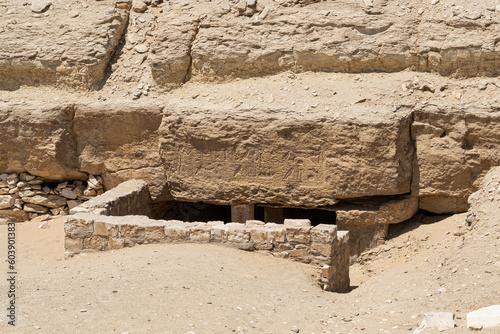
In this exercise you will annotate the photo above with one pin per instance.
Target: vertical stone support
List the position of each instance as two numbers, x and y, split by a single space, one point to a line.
273 215
242 212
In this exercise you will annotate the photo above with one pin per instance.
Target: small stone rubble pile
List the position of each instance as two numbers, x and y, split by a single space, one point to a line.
25 196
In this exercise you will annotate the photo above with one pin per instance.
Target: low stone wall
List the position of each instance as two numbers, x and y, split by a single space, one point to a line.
93 227
321 245
24 196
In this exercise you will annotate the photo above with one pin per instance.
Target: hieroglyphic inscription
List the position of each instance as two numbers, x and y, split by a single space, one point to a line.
303 166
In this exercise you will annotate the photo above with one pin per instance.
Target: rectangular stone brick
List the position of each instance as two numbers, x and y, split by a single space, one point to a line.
199 233
155 233
254 223
322 249
78 228
279 231
262 235
132 231
219 233
177 232
215 223
298 234
281 247
297 222
298 252
96 242
238 234
324 233
105 229
71 244
116 243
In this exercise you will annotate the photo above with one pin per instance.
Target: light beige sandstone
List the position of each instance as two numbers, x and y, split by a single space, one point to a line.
281 155
131 197
6 201
14 215
55 47
211 43
377 211
456 145
42 136
120 142
49 201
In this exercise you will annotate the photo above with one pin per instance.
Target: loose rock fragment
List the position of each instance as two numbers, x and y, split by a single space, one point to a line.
39 6
139 6
486 317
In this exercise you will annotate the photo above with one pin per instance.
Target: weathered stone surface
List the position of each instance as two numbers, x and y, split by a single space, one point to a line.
104 229
49 201
219 46
199 233
238 233
221 155
41 49
297 223
322 249
155 233
437 320
96 242
38 6
120 142
362 237
15 215
6 201
135 231
486 317
139 6
377 211
177 232
35 208
43 139
298 234
456 145
324 233
116 243
71 244
219 233
79 227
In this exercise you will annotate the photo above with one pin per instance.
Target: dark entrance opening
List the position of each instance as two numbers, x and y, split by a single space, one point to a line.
194 211
277 215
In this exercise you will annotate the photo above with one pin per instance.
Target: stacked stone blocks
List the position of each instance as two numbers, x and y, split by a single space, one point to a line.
92 228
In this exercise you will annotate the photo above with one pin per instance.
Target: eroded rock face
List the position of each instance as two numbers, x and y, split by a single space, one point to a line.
39 139
121 143
200 42
455 148
275 156
58 43
306 137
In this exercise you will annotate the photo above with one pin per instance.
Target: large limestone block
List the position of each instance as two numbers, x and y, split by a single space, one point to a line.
377 211
68 44
38 138
223 155
333 36
456 145
120 142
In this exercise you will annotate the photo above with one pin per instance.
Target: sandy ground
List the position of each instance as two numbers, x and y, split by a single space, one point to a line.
188 288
